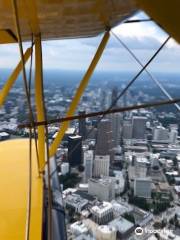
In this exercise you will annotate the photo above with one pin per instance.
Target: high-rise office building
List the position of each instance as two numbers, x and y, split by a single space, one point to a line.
75 150
143 187
139 127
160 134
101 165
88 164
82 125
114 96
127 130
116 120
104 137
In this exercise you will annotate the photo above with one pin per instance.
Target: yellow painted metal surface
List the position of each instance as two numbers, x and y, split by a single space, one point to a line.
79 94
14 155
6 88
39 102
165 13
57 19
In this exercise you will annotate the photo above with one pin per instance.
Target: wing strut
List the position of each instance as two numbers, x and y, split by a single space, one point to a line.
79 93
9 83
39 102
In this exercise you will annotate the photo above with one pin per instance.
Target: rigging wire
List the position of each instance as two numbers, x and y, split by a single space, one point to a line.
106 112
138 20
163 90
26 87
29 89
47 158
30 147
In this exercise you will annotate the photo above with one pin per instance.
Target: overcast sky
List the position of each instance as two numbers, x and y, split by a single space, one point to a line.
142 38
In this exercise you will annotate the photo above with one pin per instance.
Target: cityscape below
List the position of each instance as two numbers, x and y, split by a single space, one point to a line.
119 174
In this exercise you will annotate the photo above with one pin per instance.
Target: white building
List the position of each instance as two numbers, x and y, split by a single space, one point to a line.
142 187
101 165
105 232
102 213
160 134
173 136
104 189
88 165
78 228
64 168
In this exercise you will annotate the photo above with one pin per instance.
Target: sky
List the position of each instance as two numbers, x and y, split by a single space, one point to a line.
142 38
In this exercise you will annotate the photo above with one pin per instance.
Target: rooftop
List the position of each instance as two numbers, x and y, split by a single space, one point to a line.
121 224
102 207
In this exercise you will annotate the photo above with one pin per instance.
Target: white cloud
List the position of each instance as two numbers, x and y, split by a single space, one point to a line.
142 38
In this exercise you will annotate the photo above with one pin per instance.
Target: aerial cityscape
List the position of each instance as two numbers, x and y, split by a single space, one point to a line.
119 174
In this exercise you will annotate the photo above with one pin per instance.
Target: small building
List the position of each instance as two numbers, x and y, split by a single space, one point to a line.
141 217
105 232
75 202
78 228
102 213
103 189
123 227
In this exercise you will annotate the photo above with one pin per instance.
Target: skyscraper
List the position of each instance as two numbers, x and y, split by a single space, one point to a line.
116 120
75 150
104 138
88 165
139 127
82 125
127 130
114 96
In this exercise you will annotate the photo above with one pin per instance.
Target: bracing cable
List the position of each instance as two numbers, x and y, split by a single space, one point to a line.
47 158
106 112
163 90
29 89
17 26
